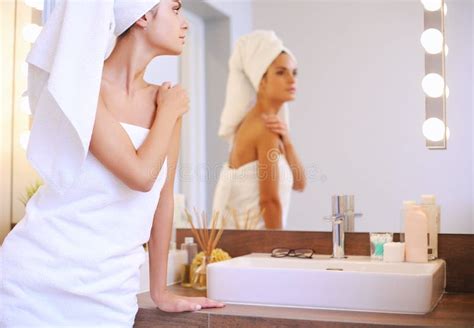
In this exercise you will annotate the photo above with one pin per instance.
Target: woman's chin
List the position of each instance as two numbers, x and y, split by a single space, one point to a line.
290 97
173 51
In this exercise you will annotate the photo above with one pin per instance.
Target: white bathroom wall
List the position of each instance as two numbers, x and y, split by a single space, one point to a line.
472 107
225 21
460 79
239 13
359 110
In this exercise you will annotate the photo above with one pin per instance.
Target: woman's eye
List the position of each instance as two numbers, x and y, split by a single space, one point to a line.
176 9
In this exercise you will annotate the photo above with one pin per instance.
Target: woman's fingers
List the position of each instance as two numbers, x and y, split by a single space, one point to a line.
275 125
271 119
205 302
180 305
166 85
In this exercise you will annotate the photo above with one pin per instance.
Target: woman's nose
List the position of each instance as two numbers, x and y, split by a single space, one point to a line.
185 24
291 78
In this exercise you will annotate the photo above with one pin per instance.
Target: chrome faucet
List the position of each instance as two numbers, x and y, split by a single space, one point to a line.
342 220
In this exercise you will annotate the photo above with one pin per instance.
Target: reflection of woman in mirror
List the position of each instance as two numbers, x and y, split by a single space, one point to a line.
74 259
263 167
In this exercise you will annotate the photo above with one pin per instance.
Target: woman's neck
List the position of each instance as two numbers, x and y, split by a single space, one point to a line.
127 63
266 106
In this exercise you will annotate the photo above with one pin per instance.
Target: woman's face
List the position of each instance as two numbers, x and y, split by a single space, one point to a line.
167 27
279 82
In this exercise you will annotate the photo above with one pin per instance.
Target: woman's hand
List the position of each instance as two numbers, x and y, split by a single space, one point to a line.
173 100
170 302
276 125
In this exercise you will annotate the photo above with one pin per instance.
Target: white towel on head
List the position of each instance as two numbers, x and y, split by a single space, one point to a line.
65 70
128 12
253 54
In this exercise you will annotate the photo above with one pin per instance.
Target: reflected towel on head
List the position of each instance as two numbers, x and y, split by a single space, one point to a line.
64 76
253 54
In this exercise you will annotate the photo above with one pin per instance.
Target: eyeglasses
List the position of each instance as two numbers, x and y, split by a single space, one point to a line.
306 253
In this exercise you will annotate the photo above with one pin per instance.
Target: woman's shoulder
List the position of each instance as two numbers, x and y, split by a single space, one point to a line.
256 132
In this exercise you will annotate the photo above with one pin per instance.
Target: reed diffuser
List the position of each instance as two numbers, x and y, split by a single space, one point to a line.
207 240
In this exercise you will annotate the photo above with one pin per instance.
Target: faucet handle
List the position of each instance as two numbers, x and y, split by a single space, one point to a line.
337 218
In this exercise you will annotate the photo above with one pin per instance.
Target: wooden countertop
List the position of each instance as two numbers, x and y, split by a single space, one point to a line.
454 310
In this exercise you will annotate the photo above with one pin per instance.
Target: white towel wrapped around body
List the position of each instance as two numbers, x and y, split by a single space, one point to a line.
74 259
238 189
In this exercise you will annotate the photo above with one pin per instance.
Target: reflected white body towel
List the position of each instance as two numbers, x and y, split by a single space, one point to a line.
239 189
74 259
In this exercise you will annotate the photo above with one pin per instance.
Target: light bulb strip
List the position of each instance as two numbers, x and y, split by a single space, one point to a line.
435 102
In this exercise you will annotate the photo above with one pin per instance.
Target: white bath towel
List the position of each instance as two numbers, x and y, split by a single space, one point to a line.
239 189
74 259
252 55
65 69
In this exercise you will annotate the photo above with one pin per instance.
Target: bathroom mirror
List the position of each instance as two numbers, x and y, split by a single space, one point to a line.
356 122
357 119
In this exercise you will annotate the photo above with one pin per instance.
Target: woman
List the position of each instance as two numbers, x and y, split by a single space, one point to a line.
74 259
263 166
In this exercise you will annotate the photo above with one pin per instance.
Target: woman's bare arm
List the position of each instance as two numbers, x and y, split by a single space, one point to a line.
278 126
268 173
299 175
111 145
163 221
159 243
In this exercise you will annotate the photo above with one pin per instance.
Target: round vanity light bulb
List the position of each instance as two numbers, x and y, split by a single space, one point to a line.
433 129
433 85
431 5
31 32
24 139
37 4
432 40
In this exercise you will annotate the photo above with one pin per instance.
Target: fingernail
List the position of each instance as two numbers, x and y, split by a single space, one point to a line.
197 307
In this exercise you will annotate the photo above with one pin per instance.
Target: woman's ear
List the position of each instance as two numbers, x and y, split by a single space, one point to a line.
142 22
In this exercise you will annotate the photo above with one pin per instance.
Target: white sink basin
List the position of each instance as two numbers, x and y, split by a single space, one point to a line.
356 283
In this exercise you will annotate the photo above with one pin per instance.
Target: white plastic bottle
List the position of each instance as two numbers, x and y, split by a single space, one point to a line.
432 212
416 235
403 214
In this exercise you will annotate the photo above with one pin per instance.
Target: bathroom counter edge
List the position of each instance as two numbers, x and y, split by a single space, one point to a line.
454 310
